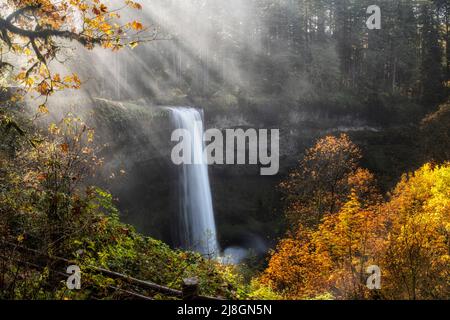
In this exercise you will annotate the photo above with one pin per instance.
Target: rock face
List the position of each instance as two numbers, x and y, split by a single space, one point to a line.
136 147
138 169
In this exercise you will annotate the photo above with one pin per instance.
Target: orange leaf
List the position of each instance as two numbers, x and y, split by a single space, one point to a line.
64 147
137 25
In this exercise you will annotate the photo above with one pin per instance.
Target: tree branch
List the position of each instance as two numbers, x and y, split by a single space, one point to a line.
37 52
22 11
47 33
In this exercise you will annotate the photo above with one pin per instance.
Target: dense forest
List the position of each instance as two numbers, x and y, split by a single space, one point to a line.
319 55
345 200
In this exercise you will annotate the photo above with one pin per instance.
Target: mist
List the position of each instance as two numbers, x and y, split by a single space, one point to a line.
208 51
245 63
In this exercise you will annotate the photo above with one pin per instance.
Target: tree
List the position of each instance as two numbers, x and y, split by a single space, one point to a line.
33 33
295 269
43 203
44 183
351 239
443 10
320 185
407 237
416 260
334 227
331 259
431 65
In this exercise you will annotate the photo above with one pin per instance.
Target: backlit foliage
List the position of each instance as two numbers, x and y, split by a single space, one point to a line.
407 236
323 180
34 33
417 253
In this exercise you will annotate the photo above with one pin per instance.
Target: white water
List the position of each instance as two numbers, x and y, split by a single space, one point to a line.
198 227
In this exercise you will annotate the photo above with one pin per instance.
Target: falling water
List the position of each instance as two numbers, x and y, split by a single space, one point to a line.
198 228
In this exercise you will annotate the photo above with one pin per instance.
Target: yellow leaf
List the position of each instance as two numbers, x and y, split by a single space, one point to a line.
43 109
133 44
57 77
43 71
29 81
43 88
90 135
53 129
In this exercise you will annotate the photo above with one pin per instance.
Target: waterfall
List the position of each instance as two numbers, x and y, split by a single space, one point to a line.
197 225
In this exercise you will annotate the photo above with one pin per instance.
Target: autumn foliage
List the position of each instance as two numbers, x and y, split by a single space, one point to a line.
323 181
407 236
35 33
416 255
